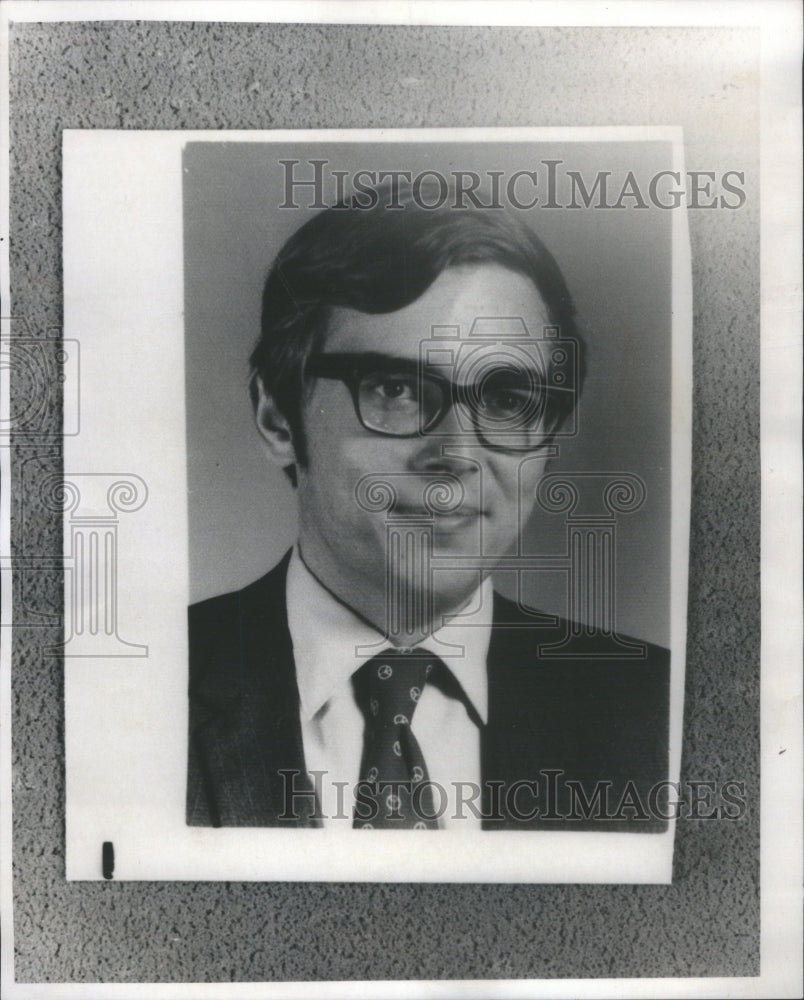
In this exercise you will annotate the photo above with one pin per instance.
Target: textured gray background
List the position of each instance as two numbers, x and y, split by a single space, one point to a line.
129 75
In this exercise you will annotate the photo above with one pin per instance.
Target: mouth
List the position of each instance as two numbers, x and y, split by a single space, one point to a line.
445 520
448 524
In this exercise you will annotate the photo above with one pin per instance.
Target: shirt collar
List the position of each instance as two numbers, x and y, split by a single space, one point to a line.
330 642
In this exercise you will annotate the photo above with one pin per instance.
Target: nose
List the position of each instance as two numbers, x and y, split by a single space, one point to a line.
452 447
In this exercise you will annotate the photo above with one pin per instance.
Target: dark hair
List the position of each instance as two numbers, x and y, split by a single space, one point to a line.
379 259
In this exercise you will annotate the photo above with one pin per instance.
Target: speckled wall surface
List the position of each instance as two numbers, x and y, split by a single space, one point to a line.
173 76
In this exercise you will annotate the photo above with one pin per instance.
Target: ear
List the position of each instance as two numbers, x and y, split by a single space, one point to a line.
274 428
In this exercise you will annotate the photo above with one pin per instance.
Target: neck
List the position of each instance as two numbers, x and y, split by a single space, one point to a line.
406 616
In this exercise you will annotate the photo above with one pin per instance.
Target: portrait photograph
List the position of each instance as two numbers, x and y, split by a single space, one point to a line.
412 512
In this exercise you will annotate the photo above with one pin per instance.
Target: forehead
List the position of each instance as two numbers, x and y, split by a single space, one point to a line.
458 297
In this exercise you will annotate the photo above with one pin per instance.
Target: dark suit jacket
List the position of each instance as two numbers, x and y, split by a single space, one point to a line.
565 705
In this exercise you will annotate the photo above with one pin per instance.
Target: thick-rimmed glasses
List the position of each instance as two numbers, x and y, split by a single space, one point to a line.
398 397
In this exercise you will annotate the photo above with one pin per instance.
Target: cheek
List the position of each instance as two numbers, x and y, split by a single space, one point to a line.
532 473
342 454
328 421
328 407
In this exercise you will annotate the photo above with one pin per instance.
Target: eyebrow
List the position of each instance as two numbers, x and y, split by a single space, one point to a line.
364 358
389 363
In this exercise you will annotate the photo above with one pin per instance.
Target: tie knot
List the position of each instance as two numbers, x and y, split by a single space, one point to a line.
392 685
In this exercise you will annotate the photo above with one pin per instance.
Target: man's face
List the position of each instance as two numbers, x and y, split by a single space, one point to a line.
342 541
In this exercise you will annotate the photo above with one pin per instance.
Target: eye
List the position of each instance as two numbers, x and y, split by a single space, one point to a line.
503 396
505 400
396 388
391 387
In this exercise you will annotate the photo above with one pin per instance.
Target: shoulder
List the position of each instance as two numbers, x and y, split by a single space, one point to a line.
243 704
580 675
230 634
257 600
588 705
527 634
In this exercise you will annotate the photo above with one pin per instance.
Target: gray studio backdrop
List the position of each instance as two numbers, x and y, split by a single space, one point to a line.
212 76
617 263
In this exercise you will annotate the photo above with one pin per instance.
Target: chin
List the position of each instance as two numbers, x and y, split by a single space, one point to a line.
442 591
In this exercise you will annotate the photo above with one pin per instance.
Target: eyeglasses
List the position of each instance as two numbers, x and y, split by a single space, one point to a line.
399 397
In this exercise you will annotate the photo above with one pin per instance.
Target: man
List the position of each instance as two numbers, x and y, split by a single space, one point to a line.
405 382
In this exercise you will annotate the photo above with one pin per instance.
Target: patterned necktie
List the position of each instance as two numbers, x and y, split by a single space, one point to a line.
394 792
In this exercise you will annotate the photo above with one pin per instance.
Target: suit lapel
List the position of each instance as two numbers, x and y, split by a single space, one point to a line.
506 746
248 731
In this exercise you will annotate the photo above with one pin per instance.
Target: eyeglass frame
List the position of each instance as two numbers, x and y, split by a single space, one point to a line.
351 367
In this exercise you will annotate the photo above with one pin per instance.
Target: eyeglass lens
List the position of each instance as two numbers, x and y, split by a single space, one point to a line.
405 403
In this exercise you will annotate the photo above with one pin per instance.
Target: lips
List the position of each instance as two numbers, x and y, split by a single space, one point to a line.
460 513
448 523
445 523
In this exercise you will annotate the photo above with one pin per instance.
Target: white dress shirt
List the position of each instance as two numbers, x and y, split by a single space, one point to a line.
330 643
